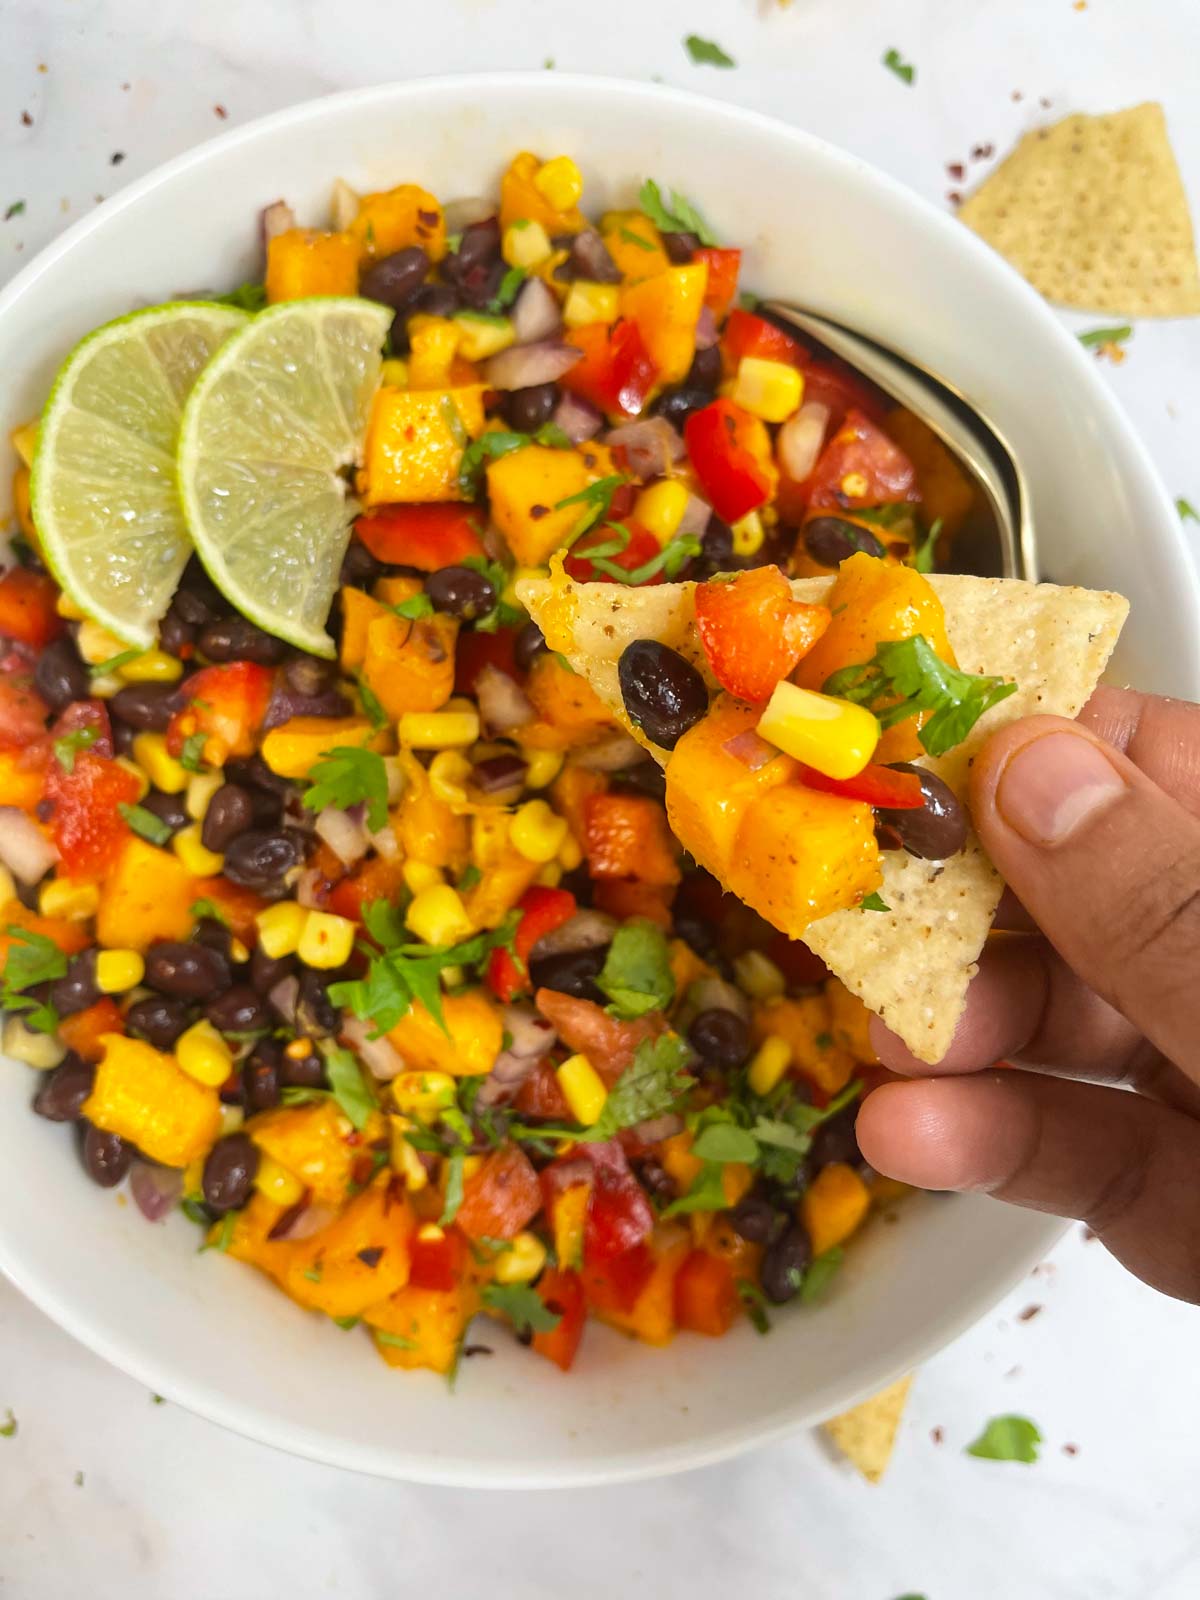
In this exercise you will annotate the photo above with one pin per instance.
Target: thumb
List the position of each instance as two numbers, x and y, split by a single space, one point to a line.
1106 863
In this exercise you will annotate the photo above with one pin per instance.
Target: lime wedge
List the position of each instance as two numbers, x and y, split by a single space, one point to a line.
266 440
104 495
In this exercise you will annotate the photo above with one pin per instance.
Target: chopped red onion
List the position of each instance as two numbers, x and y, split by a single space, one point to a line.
578 418
613 753
284 997
535 312
715 994
532 1039
696 516
344 204
466 211
24 848
303 1221
750 750
286 703
312 889
344 834
800 440
275 219
586 930
154 1189
503 704
523 366
590 259
658 1128
707 332
650 446
379 1056
385 843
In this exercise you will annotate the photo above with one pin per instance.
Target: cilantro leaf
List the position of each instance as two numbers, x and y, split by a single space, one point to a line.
347 777
680 216
510 286
755 1303
725 1141
894 62
70 744
371 704
209 908
349 1087
102 668
454 422
705 52
1187 511
397 1340
628 235
8 1428
637 970
707 1193
670 560
819 1274
383 921
1007 1438
1095 337
652 1084
596 499
454 1187
145 823
191 757
345 1323
924 553
497 442
911 670
873 902
246 297
523 1306
32 959
417 605
16 209
381 998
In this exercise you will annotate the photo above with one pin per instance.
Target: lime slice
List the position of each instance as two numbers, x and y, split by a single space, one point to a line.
266 440
104 495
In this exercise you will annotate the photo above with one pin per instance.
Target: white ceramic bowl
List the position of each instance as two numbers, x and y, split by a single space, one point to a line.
817 225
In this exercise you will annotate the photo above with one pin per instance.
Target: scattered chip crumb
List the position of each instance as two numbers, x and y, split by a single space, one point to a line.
42 67
26 120
937 1435
221 112
1029 1313
1070 1449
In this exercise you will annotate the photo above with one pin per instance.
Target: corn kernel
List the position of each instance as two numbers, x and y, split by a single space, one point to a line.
95 644
570 854
8 886
396 779
591 302
395 373
193 1176
420 875
276 1183
543 767
39 1050
525 244
489 837
452 977
449 772
232 1118
152 666
747 534
437 730
549 876
430 1233
424 1095
771 390
104 685
134 771
238 951
404 1157
583 1089
298 1049
279 929
523 1261
835 736
200 861
24 440
771 1060
536 832
203 1054
74 902
437 916
758 975
119 970
327 941
481 335
660 508
160 766
559 182
855 485
200 790
66 607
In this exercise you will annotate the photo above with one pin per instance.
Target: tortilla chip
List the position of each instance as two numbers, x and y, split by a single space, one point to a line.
866 1434
1093 212
912 963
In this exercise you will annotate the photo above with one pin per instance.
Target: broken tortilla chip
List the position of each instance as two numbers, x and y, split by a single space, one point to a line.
1092 210
910 964
866 1434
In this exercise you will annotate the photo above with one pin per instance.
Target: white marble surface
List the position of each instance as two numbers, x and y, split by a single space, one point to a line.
102 1492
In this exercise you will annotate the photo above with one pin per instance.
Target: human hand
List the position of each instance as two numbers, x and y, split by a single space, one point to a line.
1095 826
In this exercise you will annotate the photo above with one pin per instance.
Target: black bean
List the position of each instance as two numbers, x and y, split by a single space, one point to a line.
498 773
230 812
939 828
229 1172
784 1262
315 1011
680 247
832 540
527 410
214 935
307 1072
266 971
655 1179
196 599
677 404
188 971
530 644
262 859
238 1010
175 634
260 1076
434 300
589 258
720 1037
753 1218
310 675
571 972
106 1156
60 675
76 990
359 567
159 1019
168 808
237 639
461 591
705 370
836 1140
148 707
394 280
63 1091
663 694
478 247
123 737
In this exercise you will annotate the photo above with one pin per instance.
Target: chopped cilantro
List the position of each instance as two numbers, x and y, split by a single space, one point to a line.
706 53
224 1236
653 1084
295 1095
313 1273
747 300
823 1041
68 746
874 902
725 1141
384 922
32 959
191 756
454 422
145 823
158 1399
637 970
755 1303
347 777
454 1188
210 909
349 1087
820 1273
346 1323
628 235
417 605
670 560
924 553
471 875
8 1428
497 442
102 668
246 297
194 1210
523 1306
1187 511
707 1193
1008 1438
510 285
596 499
1095 337
398 1340
905 677
16 209
371 704
894 62
680 216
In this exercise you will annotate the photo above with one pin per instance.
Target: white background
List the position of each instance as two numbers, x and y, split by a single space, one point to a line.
170 1506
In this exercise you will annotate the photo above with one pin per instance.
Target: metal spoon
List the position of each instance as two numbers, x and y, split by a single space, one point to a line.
1002 541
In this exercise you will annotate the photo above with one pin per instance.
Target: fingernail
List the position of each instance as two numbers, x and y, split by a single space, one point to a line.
1054 784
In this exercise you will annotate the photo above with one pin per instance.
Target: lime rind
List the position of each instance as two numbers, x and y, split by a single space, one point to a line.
103 490
267 433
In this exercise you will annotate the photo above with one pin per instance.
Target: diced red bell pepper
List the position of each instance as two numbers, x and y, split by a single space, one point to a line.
541 1096
377 879
81 714
437 1263
561 1292
238 905
477 650
615 1282
28 602
542 910
860 466
877 785
502 1197
427 537
227 704
746 334
753 632
23 713
626 897
83 1030
618 1216
642 547
731 475
85 821
616 373
833 384
723 268
706 1297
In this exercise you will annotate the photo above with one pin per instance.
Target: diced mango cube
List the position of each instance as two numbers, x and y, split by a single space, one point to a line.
415 442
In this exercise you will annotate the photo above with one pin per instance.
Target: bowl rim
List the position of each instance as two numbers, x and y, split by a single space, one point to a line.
614 1465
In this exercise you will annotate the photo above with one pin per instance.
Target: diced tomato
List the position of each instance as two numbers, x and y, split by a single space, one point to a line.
540 1095
23 713
733 478
542 910
427 537
626 897
642 547
877 785
619 1215
478 650
610 1045
378 879
626 836
860 466
616 373
746 334
800 967
89 714
227 704
561 1292
723 268
85 821
753 632
502 1197
82 1031
614 1283
706 1297
28 602
437 1263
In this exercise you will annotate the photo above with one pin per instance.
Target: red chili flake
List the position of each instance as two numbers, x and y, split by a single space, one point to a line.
125 87
1045 104
983 152
1018 94
956 170
26 120
221 112
116 158
954 197
1070 1449
937 1435
1029 1313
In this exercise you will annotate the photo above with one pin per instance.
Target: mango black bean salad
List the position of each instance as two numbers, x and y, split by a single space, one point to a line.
338 912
